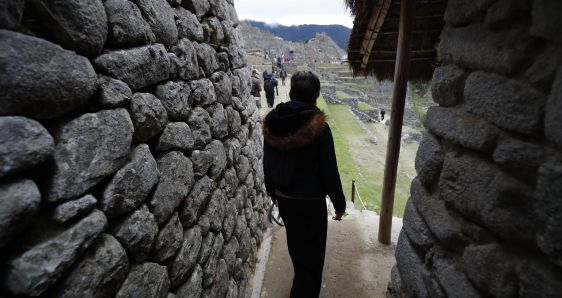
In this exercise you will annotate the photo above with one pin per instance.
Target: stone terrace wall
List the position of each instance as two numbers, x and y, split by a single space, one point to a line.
130 153
485 214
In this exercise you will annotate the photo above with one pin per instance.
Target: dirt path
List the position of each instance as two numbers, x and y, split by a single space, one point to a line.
356 264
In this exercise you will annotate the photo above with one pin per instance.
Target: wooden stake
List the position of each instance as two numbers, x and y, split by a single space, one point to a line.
396 117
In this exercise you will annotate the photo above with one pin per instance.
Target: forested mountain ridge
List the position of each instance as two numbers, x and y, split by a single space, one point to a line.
339 33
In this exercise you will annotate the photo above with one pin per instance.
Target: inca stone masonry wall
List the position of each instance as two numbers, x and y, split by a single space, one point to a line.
130 153
485 214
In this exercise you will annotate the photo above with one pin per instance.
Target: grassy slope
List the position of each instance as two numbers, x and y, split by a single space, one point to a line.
360 160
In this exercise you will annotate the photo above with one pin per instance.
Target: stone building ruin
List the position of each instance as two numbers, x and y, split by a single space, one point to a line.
130 154
485 214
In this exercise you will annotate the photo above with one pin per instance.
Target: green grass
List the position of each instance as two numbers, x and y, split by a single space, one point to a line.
364 162
363 106
343 95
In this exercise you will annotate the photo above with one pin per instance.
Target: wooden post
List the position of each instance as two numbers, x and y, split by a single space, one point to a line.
396 117
353 191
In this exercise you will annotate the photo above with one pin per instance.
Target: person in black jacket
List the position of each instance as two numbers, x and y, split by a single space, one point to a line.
300 169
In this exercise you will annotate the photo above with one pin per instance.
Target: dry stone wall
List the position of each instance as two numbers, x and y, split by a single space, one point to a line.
485 214
130 152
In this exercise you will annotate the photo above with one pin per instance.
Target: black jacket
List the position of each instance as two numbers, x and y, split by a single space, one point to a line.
299 158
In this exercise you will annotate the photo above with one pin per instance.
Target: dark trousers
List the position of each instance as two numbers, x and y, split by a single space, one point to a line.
306 223
270 101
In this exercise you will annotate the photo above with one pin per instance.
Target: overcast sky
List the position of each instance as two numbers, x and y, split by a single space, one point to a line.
295 12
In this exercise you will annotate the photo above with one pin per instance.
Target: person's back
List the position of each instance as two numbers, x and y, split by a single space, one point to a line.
269 85
300 169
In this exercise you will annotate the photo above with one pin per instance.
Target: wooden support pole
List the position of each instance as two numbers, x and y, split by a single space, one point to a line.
353 191
396 117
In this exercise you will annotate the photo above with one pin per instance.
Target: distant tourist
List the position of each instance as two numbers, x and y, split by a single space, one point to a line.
270 85
300 169
382 114
283 75
256 88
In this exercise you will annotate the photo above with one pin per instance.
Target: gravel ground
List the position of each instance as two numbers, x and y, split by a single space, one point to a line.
356 264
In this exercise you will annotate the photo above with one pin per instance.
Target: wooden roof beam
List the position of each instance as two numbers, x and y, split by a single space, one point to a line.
375 23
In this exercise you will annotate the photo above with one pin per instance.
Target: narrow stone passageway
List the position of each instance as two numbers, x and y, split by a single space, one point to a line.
356 264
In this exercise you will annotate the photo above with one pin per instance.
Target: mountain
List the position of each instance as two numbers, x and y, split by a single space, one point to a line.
339 33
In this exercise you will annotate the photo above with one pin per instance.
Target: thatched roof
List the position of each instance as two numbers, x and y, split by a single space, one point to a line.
373 41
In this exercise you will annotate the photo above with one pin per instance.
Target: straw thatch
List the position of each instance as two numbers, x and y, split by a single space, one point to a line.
428 24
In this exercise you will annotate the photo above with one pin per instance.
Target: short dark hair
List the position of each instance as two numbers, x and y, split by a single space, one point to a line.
305 87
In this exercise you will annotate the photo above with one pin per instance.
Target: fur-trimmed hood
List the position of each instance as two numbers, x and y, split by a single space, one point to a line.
292 125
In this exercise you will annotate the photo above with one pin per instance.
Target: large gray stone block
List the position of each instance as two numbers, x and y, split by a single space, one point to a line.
198 7
199 121
499 278
113 93
215 210
88 149
429 158
181 266
40 266
510 104
176 136
503 11
149 116
137 232
517 155
76 25
223 87
213 31
221 283
176 179
11 13
542 72
41 80
126 25
546 20
147 280
553 116
160 17
130 186
547 209
193 204
188 25
99 273
494 199
538 279
24 143
188 67
138 67
237 56
416 229
411 267
210 267
218 154
447 85
475 47
74 209
194 286
168 240
461 128
203 92
19 201
441 223
176 98
451 278
219 121
206 247
462 12
234 120
206 58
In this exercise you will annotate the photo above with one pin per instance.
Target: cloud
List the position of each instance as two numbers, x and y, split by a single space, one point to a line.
295 12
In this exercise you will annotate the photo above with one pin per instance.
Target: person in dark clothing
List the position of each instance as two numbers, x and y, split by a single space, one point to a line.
382 114
300 169
270 85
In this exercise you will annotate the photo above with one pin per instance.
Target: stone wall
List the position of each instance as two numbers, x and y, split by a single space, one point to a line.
485 214
130 153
